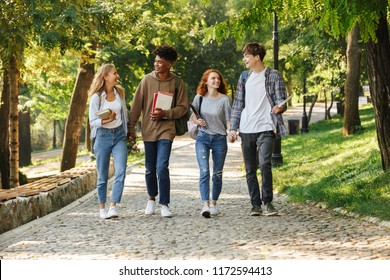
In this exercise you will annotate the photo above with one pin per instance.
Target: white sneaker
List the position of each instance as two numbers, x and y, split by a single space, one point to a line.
205 211
103 213
112 213
150 207
213 210
165 212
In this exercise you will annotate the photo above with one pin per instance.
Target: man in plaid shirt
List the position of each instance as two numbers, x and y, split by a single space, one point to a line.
257 116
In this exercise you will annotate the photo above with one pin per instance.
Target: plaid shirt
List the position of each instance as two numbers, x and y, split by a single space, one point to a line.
276 93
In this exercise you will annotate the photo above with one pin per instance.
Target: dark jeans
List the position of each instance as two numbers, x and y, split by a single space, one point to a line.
257 151
157 178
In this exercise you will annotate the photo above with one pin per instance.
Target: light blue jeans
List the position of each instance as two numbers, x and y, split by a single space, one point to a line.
107 142
157 178
218 146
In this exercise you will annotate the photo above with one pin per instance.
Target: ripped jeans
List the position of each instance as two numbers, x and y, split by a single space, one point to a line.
218 146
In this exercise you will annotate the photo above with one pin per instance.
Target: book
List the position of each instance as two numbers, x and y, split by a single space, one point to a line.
162 100
104 114
286 100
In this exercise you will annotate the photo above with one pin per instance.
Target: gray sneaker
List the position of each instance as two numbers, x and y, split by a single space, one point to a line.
270 210
255 211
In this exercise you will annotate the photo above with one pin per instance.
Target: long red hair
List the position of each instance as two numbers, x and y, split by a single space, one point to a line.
202 87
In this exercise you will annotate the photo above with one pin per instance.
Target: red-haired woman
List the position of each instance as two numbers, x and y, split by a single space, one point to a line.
214 107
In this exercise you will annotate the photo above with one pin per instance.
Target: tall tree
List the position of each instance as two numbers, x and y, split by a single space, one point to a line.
15 30
14 76
77 108
378 62
351 116
4 128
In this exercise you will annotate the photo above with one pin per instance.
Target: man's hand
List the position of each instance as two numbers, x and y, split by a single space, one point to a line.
277 109
157 115
232 136
132 136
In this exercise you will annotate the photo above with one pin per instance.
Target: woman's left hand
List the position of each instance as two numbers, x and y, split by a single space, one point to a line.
201 122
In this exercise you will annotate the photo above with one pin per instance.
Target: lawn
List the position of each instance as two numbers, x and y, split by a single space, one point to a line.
323 166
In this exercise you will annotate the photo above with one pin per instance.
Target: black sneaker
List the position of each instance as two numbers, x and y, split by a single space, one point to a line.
255 211
270 210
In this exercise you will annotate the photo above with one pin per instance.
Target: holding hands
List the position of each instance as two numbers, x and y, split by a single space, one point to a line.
232 136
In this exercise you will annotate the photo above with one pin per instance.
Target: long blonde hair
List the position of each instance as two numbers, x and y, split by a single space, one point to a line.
97 85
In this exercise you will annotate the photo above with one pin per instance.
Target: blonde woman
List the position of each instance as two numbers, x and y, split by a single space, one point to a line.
109 133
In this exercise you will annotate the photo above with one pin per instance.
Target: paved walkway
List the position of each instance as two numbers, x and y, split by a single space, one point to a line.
299 232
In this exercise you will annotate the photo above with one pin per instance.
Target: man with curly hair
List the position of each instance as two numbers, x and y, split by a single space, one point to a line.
158 126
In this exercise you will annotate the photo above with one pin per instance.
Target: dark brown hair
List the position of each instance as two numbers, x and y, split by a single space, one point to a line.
255 49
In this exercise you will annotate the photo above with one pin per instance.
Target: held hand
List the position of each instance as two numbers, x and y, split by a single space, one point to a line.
112 116
157 115
232 136
132 136
277 109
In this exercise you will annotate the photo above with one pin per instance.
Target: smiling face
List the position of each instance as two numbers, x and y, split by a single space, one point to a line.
213 80
111 79
161 65
250 60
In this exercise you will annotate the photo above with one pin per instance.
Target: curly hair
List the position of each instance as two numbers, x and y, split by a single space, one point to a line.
167 52
202 87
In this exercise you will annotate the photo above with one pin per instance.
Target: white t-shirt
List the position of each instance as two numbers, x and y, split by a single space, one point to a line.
256 116
116 107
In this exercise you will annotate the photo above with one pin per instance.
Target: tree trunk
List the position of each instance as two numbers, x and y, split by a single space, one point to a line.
378 63
54 134
326 106
313 102
352 84
329 108
4 128
24 139
76 113
14 121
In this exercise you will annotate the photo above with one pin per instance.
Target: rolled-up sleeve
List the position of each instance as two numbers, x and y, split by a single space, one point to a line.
238 105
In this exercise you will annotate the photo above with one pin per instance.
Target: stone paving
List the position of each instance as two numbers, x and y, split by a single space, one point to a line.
300 231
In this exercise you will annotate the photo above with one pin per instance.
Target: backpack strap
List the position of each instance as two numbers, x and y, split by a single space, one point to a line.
177 83
244 77
200 104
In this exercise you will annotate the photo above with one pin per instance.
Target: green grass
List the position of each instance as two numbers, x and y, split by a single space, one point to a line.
323 166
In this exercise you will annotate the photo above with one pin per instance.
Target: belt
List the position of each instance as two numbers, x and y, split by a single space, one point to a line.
112 130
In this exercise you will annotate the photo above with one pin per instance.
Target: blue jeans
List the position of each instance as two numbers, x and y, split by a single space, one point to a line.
218 146
107 142
157 169
257 150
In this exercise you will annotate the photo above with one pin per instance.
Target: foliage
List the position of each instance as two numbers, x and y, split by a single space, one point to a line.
49 78
338 171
